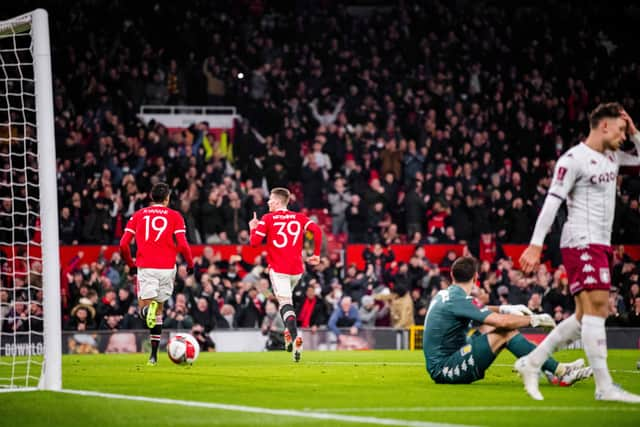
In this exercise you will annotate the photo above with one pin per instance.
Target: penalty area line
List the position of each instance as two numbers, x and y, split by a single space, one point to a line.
265 411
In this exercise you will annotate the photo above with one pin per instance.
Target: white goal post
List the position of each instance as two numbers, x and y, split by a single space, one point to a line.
29 182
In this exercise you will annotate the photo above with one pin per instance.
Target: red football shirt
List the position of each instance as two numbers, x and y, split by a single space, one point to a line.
154 228
284 231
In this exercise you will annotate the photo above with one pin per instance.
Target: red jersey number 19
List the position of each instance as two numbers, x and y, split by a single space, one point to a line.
157 223
293 230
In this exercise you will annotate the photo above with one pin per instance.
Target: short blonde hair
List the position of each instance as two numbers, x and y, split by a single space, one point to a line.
282 193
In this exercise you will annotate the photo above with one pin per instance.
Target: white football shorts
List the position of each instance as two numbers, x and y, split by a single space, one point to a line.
156 283
283 283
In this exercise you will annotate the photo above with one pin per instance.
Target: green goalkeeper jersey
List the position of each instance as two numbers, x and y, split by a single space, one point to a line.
447 324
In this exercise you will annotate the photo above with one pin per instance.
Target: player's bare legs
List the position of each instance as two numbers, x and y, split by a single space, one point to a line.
498 339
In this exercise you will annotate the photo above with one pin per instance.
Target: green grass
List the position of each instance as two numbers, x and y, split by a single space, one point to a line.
381 384
25 372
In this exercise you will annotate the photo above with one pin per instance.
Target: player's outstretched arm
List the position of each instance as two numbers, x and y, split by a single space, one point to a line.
518 310
509 321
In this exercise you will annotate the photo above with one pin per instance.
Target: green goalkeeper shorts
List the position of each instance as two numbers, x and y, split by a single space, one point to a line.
467 364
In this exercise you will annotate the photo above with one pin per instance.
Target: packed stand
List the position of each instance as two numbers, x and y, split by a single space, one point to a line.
387 293
422 125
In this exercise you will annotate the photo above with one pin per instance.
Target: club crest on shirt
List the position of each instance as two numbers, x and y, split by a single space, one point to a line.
605 275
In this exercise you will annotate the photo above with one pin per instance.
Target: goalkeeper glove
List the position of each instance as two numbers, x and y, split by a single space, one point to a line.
190 270
542 320
133 271
518 310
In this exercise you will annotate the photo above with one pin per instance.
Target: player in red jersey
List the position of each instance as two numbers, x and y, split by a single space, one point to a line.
284 231
160 235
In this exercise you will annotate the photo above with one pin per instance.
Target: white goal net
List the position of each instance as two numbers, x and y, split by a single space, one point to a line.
29 283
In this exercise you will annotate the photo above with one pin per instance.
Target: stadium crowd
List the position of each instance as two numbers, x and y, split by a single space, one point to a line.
425 124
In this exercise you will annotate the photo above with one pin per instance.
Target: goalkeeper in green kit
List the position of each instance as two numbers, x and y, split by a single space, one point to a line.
455 356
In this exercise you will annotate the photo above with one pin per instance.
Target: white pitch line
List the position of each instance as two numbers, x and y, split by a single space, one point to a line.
16 389
620 371
482 409
266 411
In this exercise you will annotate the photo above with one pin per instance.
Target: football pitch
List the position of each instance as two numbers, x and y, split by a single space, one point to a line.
324 389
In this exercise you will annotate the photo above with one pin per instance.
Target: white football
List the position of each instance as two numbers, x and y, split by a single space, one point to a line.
183 348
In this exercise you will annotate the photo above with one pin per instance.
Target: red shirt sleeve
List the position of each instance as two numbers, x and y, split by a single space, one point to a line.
260 232
132 224
178 224
127 237
317 234
180 231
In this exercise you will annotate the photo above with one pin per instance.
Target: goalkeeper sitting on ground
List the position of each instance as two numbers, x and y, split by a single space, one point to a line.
453 356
